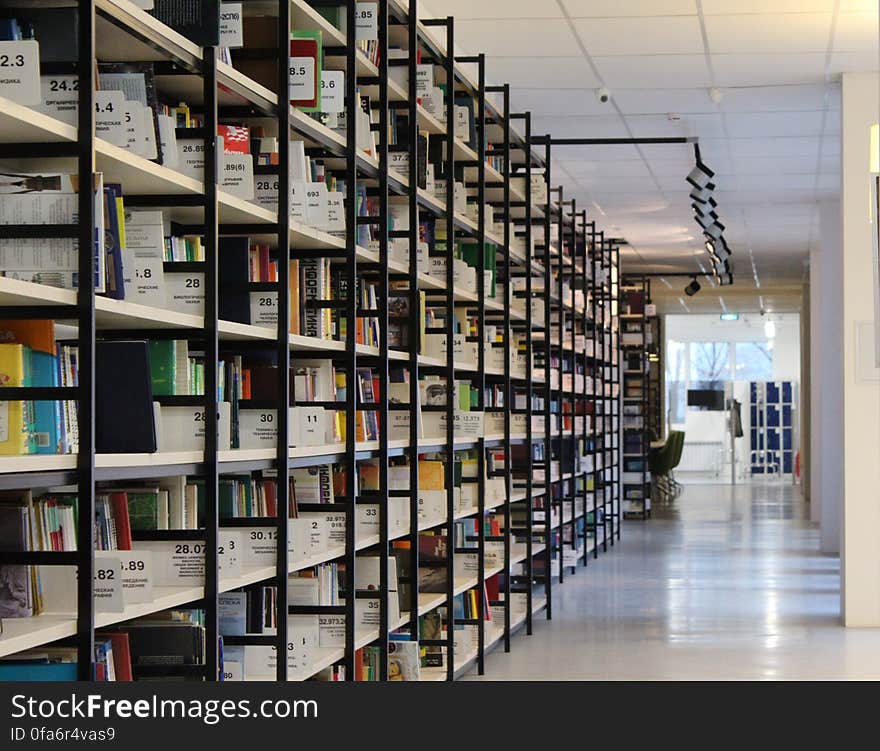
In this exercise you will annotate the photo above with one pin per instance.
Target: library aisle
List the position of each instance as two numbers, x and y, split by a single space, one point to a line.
725 584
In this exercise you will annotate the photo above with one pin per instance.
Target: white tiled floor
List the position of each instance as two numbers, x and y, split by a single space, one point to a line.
726 583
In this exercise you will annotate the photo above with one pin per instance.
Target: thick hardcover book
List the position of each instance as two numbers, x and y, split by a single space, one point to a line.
198 20
235 299
124 421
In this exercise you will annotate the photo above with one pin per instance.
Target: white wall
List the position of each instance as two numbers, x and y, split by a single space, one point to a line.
860 552
826 286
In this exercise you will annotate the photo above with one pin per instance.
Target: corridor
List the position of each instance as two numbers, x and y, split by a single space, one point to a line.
726 583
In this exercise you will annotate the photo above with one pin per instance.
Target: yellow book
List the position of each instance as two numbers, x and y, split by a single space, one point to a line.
431 475
14 425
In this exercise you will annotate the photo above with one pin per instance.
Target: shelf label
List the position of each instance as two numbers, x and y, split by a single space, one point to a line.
110 116
264 312
191 158
229 552
309 426
333 91
108 584
331 631
258 546
60 97
297 200
20 71
266 191
366 22
231 26
335 211
136 571
237 175
302 79
316 204
257 428
185 293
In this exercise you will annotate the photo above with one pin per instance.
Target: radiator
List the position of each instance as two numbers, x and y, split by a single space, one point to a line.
701 456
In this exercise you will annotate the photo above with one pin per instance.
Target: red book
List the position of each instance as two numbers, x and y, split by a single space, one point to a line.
123 522
265 275
269 489
304 48
236 139
121 654
493 589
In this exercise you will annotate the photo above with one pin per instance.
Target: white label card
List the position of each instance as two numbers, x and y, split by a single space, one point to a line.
136 570
191 158
259 546
229 552
335 211
20 71
60 95
316 204
264 312
366 21
237 175
133 121
302 78
108 585
298 200
110 116
266 191
333 91
185 293
231 26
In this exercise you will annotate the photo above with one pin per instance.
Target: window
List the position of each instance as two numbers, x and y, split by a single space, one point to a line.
754 361
710 364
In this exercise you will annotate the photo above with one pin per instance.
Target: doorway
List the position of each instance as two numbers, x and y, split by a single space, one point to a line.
731 384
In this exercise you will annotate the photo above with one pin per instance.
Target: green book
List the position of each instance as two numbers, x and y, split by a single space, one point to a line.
163 366
227 500
143 510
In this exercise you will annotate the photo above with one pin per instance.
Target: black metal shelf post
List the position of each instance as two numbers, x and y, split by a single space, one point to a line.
85 303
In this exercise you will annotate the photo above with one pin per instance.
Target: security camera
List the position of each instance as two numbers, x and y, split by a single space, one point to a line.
603 95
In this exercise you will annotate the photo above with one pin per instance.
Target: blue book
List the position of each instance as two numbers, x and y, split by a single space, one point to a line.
9 30
37 671
44 372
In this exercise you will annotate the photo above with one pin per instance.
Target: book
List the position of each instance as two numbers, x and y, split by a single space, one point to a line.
124 416
16 416
49 198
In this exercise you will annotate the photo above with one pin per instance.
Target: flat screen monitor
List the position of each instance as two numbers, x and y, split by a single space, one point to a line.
711 399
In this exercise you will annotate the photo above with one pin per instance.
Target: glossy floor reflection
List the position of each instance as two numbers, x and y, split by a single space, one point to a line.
726 583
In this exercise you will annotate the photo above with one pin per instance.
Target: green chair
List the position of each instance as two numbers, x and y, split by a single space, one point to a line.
678 449
661 463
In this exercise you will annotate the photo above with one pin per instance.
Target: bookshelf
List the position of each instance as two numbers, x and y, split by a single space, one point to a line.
636 478
530 494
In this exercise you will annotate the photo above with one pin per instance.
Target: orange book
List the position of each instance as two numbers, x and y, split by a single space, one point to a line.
431 475
38 335
293 286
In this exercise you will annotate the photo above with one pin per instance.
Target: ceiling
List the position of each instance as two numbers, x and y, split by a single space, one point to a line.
773 139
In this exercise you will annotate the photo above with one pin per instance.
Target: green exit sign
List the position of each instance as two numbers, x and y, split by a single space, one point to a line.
729 316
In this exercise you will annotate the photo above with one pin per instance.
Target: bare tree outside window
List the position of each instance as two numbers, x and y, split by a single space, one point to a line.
710 364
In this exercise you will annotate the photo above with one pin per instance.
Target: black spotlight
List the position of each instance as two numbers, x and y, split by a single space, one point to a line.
692 288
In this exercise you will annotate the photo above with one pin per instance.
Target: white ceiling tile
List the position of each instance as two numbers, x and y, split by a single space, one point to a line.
654 151
654 101
726 7
553 102
606 186
657 126
491 9
597 153
853 62
607 126
674 168
627 168
539 72
744 34
605 8
783 165
653 71
772 124
512 37
641 36
776 98
856 32
768 69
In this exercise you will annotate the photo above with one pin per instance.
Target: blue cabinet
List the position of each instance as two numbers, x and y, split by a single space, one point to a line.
771 435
